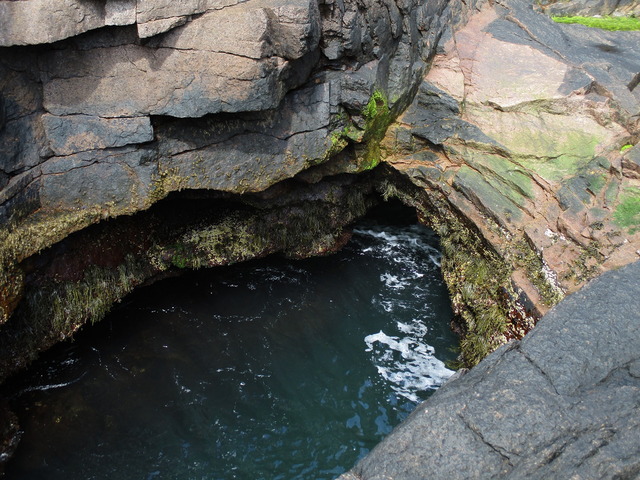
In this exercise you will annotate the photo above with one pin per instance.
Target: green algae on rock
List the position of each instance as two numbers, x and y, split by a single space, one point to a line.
80 278
627 214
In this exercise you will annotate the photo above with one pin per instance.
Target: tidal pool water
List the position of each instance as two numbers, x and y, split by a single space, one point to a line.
268 370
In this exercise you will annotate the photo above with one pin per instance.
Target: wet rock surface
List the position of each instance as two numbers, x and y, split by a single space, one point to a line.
561 403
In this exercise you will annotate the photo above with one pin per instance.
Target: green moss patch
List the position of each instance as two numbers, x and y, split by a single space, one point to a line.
377 117
627 214
500 201
553 151
604 23
503 174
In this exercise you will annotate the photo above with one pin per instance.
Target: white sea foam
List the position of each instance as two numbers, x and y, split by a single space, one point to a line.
415 238
52 386
401 355
407 363
392 281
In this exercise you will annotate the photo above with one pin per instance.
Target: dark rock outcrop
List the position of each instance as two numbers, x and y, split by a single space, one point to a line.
562 403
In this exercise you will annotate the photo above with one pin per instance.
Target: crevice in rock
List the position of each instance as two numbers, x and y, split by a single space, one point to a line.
538 368
478 434
634 82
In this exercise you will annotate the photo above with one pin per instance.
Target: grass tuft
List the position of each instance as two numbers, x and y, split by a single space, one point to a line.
626 147
613 24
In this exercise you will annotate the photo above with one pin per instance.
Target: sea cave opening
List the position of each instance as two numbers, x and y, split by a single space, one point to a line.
271 368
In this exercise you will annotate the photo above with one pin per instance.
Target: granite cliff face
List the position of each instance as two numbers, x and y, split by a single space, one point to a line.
518 148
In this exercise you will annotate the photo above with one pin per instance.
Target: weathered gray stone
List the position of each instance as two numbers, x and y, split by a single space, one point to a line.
584 345
18 149
631 163
151 10
295 139
78 133
21 134
118 178
228 60
120 12
435 116
99 90
562 403
42 21
159 16
588 7
20 196
132 81
259 29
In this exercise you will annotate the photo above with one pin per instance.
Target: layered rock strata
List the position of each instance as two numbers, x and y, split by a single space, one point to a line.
139 138
135 101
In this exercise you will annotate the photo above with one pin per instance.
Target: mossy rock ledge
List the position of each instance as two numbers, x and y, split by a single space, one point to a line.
142 139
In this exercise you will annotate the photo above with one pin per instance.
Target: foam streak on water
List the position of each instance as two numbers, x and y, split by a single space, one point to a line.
403 357
267 370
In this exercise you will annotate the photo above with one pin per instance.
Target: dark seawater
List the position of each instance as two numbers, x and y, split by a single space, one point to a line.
268 370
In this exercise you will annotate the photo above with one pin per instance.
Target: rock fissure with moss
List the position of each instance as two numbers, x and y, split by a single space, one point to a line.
488 308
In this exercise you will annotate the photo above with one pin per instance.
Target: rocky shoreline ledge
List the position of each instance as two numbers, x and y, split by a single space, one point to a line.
139 139
527 133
